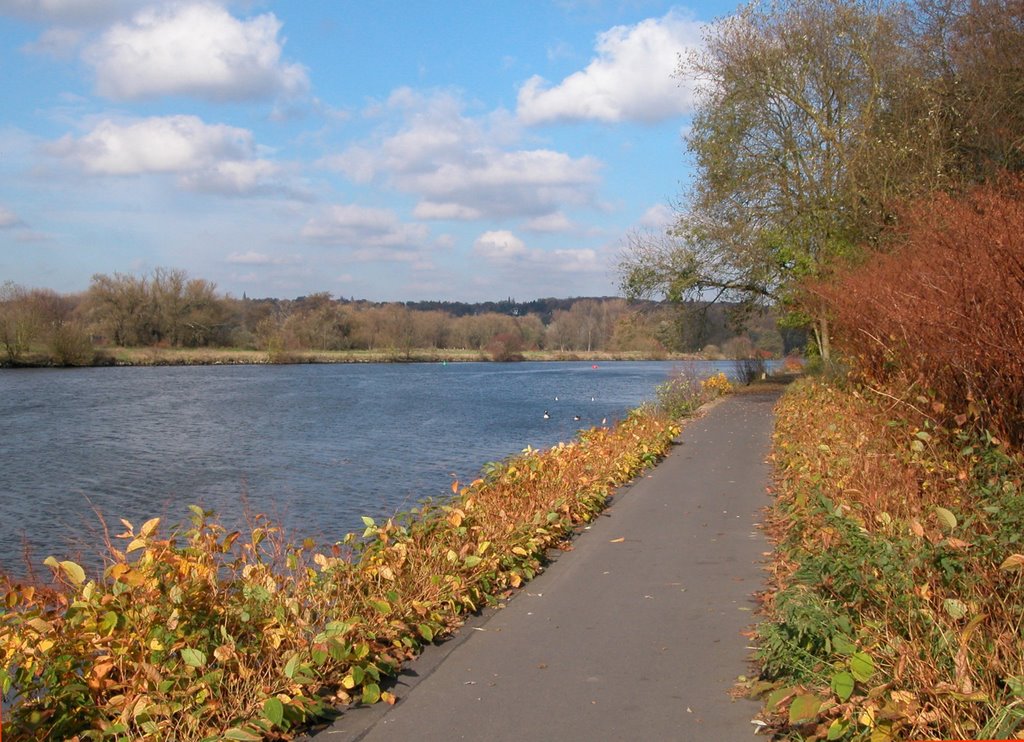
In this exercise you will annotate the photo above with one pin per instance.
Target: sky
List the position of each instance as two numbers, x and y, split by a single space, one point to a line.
387 150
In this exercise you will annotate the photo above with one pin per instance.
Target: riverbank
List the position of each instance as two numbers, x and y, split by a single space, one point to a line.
895 603
257 634
634 633
234 356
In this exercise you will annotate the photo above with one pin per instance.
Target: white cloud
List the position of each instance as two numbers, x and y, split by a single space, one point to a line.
360 227
213 158
554 222
257 258
659 217
499 245
8 218
507 251
630 79
507 184
430 210
196 49
171 144
465 168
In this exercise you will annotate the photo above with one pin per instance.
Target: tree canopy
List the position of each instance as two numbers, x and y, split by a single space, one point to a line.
815 119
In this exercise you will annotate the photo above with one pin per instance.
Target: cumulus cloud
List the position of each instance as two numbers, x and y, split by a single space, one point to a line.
505 250
157 144
359 227
214 158
630 79
555 222
499 245
466 168
195 49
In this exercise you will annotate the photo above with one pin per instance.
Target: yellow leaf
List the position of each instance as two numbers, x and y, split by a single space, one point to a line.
139 543
388 698
520 551
156 645
1013 562
74 572
149 526
348 682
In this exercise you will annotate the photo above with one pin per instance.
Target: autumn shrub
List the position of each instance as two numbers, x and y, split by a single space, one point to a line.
70 345
943 313
197 633
895 602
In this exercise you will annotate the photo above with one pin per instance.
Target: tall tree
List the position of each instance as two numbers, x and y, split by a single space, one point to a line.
788 92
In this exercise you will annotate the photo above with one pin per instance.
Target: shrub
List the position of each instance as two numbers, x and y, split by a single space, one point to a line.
944 311
200 633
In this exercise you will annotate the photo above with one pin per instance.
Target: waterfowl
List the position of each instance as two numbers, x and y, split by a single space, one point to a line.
546 415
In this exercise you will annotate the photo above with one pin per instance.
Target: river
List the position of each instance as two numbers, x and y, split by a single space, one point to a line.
313 446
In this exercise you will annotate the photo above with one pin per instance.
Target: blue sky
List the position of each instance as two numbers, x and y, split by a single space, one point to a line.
462 151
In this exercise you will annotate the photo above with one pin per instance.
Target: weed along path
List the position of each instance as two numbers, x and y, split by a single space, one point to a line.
635 633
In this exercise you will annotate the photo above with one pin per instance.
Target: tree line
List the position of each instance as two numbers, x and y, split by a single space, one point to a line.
817 122
167 308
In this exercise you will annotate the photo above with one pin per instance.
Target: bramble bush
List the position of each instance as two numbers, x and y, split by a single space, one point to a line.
943 313
196 633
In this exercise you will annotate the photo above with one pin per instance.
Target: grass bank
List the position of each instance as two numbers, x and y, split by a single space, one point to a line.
895 608
196 633
156 356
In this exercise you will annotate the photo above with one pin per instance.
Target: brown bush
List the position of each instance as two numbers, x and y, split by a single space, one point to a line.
943 313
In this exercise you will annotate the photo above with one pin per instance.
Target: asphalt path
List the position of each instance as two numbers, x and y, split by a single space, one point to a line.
635 633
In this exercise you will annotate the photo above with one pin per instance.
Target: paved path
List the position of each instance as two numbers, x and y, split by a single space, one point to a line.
634 639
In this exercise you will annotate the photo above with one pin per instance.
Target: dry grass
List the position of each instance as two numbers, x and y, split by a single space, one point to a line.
897 569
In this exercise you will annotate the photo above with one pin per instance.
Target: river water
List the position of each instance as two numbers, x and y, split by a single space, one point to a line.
314 446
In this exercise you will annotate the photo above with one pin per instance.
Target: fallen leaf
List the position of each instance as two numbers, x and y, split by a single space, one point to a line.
617 540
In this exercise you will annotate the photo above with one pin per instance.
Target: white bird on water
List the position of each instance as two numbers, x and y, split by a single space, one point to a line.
546 415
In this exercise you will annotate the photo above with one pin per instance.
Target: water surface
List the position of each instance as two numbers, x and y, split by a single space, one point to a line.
315 446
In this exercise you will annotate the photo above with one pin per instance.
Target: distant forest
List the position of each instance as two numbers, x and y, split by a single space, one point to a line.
167 308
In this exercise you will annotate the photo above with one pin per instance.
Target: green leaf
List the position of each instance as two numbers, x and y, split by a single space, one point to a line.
291 666
1016 685
838 729
955 608
842 645
381 605
804 708
193 657
242 735
273 709
108 623
368 521
74 572
946 518
472 561
842 685
371 693
862 666
426 632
